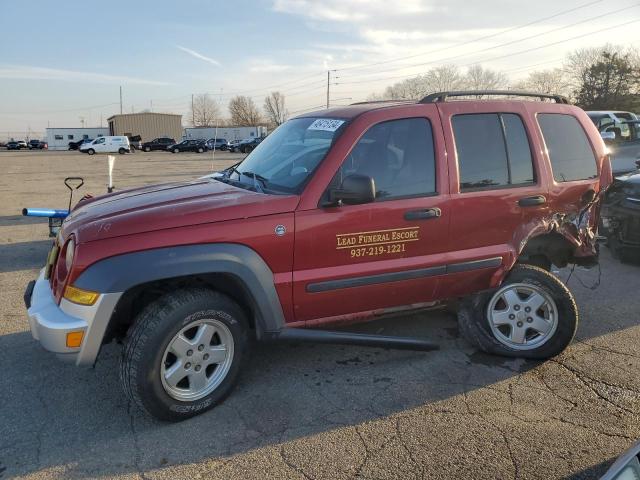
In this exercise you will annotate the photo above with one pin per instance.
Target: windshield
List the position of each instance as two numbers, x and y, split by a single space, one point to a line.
285 160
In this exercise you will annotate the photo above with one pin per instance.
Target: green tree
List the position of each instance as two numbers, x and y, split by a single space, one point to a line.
611 82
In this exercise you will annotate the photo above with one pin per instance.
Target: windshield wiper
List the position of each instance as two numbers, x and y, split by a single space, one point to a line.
256 176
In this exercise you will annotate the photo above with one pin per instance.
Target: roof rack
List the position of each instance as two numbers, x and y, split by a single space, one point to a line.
442 96
384 101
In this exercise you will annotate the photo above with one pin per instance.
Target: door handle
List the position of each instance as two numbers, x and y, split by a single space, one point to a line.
532 201
425 214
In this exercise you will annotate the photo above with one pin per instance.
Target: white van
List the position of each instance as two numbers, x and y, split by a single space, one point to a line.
118 144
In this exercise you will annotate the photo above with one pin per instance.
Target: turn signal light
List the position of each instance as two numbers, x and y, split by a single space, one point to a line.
79 296
74 339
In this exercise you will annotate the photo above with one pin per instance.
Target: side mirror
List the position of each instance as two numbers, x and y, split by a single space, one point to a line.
355 190
608 136
626 466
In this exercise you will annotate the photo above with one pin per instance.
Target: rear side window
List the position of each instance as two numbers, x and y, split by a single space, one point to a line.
493 151
569 150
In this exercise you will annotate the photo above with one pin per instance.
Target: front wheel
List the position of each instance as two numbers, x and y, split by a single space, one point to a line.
532 315
147 149
183 353
91 151
200 150
176 150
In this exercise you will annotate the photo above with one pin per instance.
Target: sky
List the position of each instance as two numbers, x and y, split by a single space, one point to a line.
62 62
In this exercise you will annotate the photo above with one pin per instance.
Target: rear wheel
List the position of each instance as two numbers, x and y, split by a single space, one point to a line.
200 150
532 315
176 150
91 151
121 151
183 354
147 149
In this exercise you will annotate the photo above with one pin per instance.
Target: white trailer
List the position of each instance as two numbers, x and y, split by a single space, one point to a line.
228 133
59 138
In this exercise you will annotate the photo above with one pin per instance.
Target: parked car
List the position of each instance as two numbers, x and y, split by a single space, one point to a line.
78 143
13 145
107 144
37 145
217 144
160 143
198 146
623 139
341 214
234 145
135 142
247 147
601 118
621 217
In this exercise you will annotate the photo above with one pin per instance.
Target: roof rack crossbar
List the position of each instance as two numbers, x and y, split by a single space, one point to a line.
442 96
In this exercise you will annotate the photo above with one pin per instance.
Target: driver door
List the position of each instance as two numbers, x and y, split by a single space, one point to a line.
358 260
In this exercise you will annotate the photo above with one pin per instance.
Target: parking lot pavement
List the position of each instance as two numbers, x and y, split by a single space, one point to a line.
313 411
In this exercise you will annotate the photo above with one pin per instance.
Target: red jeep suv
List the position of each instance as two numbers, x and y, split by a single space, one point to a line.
339 215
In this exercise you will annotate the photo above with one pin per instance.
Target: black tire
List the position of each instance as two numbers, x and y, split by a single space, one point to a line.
474 324
150 335
147 149
176 150
200 150
248 149
122 151
91 151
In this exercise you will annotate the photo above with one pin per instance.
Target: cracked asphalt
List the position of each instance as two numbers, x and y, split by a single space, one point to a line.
313 411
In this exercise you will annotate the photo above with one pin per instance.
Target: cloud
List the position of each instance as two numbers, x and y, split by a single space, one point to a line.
27 72
347 10
260 65
199 56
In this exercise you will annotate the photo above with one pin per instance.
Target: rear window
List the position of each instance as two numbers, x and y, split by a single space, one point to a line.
570 152
493 151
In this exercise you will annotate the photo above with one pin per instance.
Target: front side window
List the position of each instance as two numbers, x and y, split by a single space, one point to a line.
99 141
493 151
286 159
398 155
571 155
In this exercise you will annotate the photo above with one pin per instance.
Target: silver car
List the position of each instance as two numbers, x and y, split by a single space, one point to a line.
623 140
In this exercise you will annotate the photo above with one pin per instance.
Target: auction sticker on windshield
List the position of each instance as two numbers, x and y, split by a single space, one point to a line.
326 124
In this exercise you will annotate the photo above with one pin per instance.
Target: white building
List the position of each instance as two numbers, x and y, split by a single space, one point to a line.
228 133
59 138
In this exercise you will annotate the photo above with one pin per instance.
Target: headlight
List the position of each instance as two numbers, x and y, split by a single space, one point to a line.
68 257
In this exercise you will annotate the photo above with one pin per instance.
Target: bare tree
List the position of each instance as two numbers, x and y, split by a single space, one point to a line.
480 78
205 111
553 81
275 110
443 78
244 112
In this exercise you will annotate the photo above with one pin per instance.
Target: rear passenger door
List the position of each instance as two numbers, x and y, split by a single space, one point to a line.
497 189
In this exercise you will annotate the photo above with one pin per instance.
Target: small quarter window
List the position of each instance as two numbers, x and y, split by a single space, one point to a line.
570 152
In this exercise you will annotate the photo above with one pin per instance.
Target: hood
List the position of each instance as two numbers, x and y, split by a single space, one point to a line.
171 205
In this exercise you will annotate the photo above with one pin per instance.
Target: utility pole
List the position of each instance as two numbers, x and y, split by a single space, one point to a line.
120 99
193 113
328 83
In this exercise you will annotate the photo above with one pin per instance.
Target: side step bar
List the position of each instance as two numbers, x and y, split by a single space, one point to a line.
348 338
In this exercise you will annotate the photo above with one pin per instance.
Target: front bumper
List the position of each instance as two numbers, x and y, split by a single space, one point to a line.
50 323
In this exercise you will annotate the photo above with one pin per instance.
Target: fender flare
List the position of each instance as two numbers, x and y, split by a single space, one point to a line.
122 272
